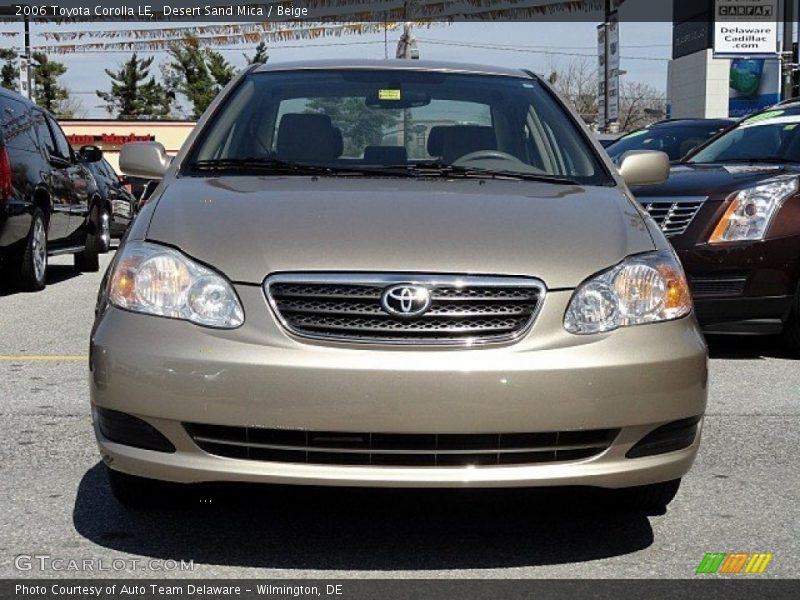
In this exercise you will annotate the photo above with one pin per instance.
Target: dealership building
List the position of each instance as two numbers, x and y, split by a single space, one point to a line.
109 134
723 64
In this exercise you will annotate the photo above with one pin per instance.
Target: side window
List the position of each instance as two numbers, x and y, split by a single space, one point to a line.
62 145
17 128
43 132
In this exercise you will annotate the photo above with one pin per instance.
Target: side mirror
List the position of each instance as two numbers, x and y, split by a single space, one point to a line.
90 154
644 167
148 160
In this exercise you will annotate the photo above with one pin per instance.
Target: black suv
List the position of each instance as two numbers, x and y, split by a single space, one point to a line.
119 205
49 201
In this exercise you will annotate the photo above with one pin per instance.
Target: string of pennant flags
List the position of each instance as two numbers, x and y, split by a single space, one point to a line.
330 12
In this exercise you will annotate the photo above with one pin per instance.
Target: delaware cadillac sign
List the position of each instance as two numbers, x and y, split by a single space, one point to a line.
745 28
107 141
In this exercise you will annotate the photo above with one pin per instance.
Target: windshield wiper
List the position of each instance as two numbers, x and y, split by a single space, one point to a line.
446 170
773 160
285 167
272 165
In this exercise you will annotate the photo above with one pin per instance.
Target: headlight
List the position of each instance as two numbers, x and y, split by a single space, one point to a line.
751 211
157 280
646 288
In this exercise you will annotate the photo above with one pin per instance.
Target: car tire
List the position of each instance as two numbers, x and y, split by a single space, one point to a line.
104 223
88 261
791 331
141 492
653 497
33 266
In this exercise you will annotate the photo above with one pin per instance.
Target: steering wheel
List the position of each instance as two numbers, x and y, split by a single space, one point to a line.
486 155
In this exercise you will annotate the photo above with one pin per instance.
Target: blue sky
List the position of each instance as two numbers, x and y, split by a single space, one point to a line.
645 50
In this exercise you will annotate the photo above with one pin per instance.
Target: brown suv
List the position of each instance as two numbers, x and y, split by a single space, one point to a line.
731 209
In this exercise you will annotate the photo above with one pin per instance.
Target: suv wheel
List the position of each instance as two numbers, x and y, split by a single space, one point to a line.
653 497
33 270
791 331
105 230
88 261
140 492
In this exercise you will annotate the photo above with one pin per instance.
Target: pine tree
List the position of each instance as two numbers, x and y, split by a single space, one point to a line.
260 57
132 95
197 73
9 73
47 92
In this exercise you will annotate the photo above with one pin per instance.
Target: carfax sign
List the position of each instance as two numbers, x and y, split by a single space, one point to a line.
745 28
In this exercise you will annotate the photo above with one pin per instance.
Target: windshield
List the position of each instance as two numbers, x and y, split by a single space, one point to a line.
361 120
676 140
768 137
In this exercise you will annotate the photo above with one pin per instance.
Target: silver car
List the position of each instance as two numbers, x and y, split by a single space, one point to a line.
401 274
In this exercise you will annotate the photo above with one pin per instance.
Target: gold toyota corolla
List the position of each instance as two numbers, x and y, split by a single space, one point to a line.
402 274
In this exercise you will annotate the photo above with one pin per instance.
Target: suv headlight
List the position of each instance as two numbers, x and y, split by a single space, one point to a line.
157 280
645 288
751 211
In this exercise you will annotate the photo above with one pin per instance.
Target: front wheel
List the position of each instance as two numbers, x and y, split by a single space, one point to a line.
88 260
33 269
653 497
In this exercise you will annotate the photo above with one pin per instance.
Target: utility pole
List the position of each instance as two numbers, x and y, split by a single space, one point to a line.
28 56
787 56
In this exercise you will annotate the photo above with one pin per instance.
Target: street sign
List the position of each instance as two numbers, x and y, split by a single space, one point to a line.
613 68
745 28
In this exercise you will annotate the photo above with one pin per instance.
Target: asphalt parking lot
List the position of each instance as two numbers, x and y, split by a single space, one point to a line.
743 494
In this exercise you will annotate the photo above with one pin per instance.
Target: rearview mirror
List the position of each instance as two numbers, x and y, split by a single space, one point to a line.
148 160
90 154
644 167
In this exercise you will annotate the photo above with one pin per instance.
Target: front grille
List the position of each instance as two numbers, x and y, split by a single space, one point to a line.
462 310
718 285
397 449
673 215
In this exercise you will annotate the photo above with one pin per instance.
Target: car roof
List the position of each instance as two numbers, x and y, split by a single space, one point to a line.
394 64
18 97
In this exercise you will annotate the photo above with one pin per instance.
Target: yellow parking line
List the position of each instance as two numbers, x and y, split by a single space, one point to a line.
42 357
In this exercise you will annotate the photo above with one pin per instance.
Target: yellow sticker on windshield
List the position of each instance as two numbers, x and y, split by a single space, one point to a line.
389 95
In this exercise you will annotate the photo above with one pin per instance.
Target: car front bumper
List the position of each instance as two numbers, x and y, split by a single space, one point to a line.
168 373
743 287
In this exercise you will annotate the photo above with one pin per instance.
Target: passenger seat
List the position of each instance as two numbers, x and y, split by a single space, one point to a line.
308 137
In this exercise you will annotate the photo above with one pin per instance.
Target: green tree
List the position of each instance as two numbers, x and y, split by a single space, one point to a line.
47 92
9 73
132 94
361 125
197 73
260 57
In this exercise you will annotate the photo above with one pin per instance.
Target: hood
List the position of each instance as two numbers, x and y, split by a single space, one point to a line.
249 227
711 180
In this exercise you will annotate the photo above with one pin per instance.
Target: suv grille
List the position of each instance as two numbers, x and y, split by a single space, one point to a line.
397 449
462 310
673 215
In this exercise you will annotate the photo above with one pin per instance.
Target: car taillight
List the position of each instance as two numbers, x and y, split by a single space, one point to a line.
5 175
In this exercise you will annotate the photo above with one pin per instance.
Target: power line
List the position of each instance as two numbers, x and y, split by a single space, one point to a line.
531 50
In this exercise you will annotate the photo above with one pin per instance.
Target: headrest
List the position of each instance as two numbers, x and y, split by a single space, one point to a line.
385 155
436 140
308 137
464 139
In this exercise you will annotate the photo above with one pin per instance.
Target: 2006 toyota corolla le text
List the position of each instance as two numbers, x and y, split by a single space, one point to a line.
395 274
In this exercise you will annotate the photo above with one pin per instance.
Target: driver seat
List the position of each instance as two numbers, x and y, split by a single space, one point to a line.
460 140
